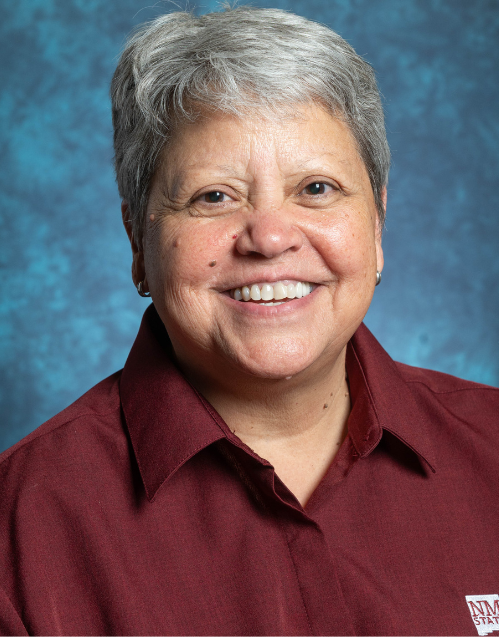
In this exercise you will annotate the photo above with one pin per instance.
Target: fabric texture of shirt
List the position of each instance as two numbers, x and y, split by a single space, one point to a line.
137 511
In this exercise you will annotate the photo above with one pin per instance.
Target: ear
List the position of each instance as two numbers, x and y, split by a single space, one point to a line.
138 269
379 232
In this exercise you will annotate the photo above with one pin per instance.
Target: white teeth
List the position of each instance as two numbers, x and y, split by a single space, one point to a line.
255 293
276 292
267 292
280 291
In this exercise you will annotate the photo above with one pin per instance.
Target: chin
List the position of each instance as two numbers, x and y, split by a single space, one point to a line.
278 362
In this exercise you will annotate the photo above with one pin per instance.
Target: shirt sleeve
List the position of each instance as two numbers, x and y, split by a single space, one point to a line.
10 622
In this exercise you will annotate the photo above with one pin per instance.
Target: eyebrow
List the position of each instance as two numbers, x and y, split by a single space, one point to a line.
180 176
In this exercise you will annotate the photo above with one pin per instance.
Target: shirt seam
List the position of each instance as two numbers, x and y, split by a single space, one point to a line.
451 391
373 405
62 424
154 491
233 439
297 580
382 426
208 411
206 406
17 612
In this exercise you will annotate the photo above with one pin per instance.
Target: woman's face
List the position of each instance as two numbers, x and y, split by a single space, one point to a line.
244 202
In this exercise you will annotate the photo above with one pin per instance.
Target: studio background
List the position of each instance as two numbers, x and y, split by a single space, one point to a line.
69 311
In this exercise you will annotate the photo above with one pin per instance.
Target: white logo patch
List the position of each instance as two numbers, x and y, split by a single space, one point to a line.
484 611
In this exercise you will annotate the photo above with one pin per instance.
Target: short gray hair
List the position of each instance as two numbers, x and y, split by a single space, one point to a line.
235 61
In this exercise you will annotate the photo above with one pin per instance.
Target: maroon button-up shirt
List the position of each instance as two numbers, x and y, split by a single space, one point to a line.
137 511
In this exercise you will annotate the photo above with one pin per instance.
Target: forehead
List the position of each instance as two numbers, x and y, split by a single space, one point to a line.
309 140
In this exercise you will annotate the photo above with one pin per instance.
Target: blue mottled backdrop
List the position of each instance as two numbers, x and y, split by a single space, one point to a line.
69 311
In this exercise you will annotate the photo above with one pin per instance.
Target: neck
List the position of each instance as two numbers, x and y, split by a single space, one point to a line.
296 424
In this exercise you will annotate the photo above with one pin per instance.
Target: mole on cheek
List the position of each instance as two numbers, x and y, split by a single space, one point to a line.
212 264
151 217
175 243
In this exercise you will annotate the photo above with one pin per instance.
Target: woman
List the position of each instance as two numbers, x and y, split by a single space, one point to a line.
260 466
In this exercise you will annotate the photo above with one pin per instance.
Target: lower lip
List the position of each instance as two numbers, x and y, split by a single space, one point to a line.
266 311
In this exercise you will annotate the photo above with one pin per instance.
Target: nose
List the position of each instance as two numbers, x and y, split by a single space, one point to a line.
269 234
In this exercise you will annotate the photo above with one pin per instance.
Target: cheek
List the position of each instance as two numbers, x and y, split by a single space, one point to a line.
187 253
347 243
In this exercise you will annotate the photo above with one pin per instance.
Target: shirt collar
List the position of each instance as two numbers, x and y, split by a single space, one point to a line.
382 400
169 421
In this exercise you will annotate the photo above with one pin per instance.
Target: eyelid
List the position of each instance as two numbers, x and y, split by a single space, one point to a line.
325 182
222 189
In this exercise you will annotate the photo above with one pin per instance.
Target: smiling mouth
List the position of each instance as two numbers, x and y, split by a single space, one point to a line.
272 293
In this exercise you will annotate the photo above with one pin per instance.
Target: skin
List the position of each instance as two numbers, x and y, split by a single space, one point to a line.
275 374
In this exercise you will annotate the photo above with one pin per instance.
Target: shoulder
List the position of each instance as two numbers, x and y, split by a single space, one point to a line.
58 484
74 462
465 399
67 434
438 382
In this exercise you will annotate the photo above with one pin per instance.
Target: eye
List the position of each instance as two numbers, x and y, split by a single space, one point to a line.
215 196
317 188
213 202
